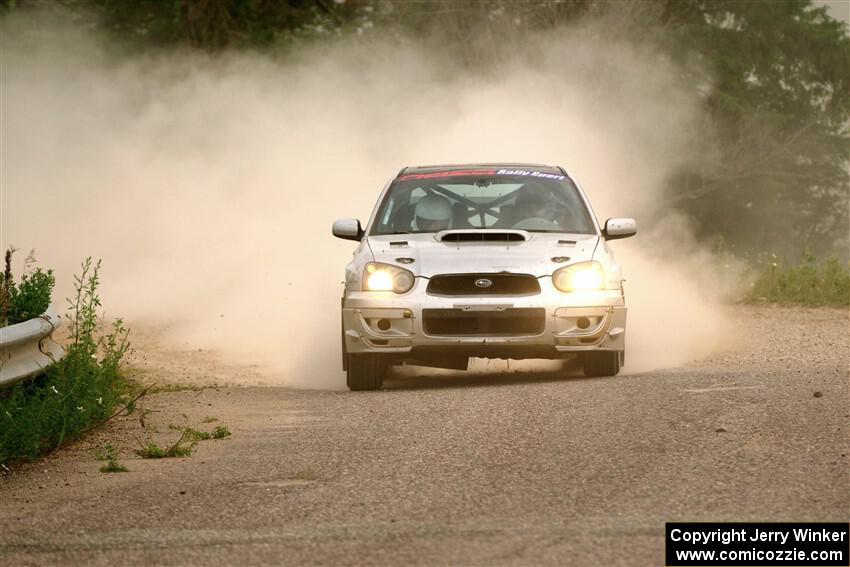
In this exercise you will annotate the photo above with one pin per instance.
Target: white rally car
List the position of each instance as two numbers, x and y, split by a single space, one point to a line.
486 260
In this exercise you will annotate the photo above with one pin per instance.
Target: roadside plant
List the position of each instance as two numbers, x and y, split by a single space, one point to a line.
154 451
196 435
804 283
181 448
220 432
75 394
184 445
6 287
110 455
27 299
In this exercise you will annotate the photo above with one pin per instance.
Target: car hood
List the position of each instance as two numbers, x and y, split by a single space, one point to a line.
534 255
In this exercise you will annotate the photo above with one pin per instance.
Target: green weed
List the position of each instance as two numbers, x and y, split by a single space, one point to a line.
154 451
181 448
110 455
196 435
112 467
220 432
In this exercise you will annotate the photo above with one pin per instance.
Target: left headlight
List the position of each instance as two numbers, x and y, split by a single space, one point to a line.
583 276
386 277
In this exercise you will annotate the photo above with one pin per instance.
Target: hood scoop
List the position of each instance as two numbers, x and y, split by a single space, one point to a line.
482 236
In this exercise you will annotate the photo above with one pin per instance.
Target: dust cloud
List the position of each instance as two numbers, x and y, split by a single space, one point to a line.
208 185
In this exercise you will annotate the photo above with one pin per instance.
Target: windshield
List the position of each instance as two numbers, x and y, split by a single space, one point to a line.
491 199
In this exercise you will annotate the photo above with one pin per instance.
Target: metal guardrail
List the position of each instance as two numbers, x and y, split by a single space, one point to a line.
27 348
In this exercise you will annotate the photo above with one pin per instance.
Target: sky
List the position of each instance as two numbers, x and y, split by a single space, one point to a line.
838 9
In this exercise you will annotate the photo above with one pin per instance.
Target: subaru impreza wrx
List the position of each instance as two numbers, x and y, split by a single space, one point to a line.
486 260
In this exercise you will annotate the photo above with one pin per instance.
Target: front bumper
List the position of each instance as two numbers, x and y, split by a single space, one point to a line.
385 322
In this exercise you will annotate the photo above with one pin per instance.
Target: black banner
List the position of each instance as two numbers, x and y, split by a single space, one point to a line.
757 544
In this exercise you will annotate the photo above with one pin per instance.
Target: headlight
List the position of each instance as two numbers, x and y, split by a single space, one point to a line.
385 277
580 277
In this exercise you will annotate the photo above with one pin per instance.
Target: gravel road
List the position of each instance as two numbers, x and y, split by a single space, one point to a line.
481 470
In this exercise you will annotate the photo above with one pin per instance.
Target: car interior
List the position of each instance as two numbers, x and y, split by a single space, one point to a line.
527 206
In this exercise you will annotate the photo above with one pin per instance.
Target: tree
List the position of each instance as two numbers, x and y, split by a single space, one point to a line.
781 106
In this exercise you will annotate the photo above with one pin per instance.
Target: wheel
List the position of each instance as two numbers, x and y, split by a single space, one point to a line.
365 371
603 363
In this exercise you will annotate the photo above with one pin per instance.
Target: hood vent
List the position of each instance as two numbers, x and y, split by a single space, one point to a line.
482 236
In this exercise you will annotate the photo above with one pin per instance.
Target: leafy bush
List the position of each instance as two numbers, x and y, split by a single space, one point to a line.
805 283
80 390
32 296
29 299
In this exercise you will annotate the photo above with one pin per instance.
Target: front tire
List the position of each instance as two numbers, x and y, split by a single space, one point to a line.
602 363
365 371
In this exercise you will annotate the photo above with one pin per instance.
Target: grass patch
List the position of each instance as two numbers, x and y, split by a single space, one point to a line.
805 283
110 455
162 388
78 392
113 467
184 445
220 432
154 451
181 448
197 435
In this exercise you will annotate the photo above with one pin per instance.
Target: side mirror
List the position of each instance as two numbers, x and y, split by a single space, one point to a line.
348 229
619 228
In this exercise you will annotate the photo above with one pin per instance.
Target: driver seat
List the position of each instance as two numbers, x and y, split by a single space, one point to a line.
460 216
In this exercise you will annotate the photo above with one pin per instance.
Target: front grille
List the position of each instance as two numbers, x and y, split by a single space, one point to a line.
455 322
472 284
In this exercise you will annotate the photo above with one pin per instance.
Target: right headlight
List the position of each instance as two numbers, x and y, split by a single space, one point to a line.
386 277
583 276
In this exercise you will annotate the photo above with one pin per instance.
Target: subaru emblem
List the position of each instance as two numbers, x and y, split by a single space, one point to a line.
483 282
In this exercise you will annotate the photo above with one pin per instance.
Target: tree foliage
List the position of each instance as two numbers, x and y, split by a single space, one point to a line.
781 104
779 97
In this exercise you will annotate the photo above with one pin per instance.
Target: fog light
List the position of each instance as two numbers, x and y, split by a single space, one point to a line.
384 324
